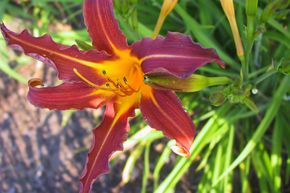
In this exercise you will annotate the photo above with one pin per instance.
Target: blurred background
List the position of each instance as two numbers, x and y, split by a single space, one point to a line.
242 130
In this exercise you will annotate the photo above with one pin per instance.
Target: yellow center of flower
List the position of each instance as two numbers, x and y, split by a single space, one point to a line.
123 75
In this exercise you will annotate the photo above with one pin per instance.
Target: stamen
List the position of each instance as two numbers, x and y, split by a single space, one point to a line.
126 83
89 82
120 88
115 85
125 90
128 90
133 88
125 80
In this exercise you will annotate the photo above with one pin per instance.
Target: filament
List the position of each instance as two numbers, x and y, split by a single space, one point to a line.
121 89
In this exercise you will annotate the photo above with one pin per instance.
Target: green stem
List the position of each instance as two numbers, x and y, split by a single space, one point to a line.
244 70
258 71
250 29
251 11
264 76
146 171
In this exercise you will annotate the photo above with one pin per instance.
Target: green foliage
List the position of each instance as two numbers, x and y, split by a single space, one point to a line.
246 136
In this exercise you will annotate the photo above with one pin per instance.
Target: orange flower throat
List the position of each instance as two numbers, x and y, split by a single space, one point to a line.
123 75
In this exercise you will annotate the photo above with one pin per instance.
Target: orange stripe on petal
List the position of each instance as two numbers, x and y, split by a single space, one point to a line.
103 27
163 111
63 58
108 138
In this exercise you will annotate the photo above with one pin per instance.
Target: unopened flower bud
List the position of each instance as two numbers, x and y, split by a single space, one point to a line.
167 7
193 83
228 7
217 99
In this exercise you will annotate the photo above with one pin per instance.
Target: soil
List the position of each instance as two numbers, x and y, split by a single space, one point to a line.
37 154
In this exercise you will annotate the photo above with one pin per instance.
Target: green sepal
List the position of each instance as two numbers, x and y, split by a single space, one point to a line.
234 94
217 99
250 104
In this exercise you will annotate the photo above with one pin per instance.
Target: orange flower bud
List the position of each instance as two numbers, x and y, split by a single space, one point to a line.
167 7
228 7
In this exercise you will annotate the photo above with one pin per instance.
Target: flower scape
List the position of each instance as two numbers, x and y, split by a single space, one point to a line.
112 74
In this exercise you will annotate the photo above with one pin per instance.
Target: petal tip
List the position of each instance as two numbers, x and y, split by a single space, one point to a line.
4 31
2 26
219 61
34 82
180 151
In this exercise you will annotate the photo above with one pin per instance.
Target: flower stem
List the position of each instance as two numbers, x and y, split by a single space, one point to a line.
264 76
244 69
251 11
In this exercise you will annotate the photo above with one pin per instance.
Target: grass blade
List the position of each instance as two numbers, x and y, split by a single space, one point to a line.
263 126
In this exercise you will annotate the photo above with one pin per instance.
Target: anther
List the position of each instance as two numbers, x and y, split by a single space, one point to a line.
89 82
104 72
125 80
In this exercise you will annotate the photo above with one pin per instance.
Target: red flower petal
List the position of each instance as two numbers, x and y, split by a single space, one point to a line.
102 26
66 96
108 137
62 58
175 54
163 111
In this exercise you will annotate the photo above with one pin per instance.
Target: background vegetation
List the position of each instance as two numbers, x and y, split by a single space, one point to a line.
243 128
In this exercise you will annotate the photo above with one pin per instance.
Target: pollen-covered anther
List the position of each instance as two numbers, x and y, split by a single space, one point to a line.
123 87
125 80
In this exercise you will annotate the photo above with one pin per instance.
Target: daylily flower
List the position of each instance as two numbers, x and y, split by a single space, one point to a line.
112 74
